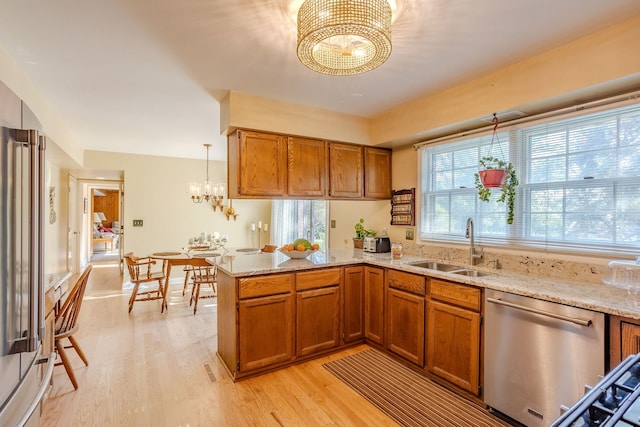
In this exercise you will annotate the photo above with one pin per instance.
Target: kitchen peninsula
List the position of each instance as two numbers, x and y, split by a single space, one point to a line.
274 311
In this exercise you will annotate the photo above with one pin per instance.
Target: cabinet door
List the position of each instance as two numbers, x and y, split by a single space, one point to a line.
374 304
405 325
624 339
307 167
353 303
345 170
262 164
453 345
266 331
377 173
318 320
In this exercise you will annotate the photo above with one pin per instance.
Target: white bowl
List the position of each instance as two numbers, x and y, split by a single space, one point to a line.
298 254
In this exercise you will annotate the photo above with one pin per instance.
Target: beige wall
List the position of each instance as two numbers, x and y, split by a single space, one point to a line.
605 61
239 110
55 233
157 191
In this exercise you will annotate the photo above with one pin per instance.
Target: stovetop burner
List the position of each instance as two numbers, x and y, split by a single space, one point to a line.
613 402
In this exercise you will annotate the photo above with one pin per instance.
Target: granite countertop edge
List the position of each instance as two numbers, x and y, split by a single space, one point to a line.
592 296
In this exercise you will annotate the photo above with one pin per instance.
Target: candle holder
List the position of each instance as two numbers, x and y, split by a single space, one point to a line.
230 212
259 229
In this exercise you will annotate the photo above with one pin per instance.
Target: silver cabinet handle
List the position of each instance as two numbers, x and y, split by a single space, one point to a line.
578 321
44 385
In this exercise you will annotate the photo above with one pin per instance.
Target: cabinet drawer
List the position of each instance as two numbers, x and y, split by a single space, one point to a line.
317 279
407 282
251 287
461 295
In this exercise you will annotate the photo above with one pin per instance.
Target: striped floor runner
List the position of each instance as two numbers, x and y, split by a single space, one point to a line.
406 396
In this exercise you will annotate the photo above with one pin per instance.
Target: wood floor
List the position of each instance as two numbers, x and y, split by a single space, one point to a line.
153 369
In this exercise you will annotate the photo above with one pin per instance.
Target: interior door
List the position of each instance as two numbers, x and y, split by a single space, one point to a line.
121 231
73 245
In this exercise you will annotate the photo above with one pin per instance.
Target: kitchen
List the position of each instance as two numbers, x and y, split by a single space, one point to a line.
521 85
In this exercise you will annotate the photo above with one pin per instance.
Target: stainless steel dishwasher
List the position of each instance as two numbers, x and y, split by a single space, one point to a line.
539 356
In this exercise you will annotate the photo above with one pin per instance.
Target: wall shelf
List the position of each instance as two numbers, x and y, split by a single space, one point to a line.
403 207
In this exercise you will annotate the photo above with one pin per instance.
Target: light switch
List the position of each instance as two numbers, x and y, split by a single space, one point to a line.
137 223
333 223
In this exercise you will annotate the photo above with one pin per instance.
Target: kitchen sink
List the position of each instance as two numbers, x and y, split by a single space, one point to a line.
432 265
471 273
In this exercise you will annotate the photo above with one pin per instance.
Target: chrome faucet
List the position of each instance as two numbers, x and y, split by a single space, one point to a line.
474 253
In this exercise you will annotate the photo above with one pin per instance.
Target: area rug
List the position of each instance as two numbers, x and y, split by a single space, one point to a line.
406 396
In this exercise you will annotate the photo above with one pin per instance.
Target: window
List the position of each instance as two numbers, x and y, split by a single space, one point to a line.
579 184
294 219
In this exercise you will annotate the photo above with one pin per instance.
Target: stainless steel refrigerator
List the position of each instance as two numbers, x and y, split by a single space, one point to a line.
25 373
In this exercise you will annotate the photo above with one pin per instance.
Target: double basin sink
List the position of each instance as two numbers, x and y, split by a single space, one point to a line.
449 268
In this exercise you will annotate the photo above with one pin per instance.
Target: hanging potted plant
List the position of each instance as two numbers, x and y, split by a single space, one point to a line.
497 173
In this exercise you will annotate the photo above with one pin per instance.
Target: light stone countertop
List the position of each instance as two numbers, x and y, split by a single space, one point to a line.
592 296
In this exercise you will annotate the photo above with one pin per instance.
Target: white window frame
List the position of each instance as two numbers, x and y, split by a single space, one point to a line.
519 234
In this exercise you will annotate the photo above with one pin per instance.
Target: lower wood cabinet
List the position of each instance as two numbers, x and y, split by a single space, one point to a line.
453 334
318 320
265 331
353 303
405 325
624 339
374 304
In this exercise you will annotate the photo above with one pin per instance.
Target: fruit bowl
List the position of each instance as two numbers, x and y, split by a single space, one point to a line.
298 254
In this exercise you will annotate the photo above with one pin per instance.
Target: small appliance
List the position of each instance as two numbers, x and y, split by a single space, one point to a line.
376 244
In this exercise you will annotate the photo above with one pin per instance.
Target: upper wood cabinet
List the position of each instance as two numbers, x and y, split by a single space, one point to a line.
377 173
257 164
307 167
345 170
268 165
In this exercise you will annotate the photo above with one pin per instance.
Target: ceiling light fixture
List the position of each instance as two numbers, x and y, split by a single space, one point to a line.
344 37
208 192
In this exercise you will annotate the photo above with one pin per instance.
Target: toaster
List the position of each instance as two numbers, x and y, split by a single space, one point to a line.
376 244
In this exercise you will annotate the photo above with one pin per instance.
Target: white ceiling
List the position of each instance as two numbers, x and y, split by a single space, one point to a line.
145 76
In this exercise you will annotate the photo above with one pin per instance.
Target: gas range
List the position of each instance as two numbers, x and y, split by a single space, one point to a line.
613 402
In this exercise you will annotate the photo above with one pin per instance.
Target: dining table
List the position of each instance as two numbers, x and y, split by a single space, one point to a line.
194 256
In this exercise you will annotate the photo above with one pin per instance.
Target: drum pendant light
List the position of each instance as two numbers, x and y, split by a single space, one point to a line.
344 37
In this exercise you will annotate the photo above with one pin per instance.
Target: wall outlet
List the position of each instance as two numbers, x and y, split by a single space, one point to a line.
408 234
137 223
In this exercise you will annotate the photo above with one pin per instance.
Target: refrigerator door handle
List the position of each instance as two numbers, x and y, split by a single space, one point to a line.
44 385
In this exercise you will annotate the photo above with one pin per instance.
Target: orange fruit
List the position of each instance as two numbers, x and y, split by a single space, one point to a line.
301 248
315 246
289 247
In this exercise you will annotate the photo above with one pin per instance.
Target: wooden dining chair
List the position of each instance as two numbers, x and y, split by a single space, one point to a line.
202 275
141 271
66 324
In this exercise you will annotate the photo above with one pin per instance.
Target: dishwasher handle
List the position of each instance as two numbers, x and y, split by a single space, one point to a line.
576 320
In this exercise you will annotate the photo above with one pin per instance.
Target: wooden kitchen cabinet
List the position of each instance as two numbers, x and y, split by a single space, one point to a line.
353 291
265 321
345 170
257 164
374 304
624 339
266 331
405 315
377 173
453 334
317 310
307 167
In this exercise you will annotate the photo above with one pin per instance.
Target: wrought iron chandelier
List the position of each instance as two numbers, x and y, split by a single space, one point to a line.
344 37
207 192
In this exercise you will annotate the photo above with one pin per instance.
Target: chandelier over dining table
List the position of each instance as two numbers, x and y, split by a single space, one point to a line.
207 192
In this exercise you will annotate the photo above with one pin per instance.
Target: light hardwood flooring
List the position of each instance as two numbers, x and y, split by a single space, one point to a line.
153 369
